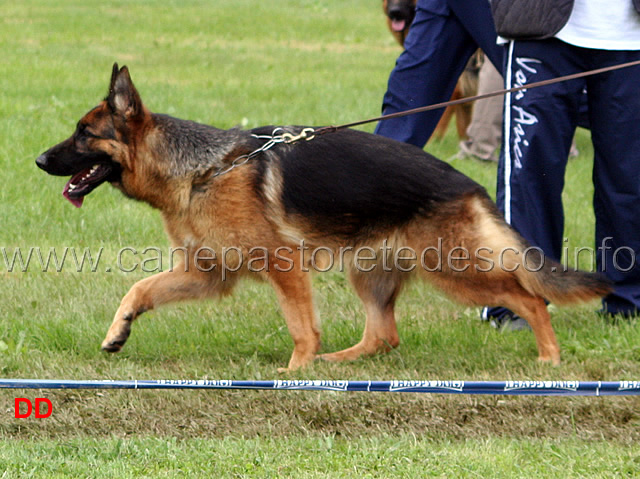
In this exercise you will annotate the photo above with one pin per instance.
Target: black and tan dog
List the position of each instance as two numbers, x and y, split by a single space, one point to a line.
400 14
388 210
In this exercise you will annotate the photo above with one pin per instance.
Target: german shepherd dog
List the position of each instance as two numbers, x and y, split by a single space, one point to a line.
400 14
389 205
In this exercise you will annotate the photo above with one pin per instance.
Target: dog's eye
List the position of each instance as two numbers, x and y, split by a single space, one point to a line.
85 133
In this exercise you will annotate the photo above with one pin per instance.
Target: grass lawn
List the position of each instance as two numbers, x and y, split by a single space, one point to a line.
254 63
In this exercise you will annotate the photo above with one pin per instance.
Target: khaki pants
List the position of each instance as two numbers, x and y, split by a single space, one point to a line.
485 129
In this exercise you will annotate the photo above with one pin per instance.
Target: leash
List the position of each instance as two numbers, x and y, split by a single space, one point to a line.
551 81
280 136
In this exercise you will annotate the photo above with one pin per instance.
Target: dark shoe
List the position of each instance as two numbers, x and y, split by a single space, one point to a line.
510 322
506 321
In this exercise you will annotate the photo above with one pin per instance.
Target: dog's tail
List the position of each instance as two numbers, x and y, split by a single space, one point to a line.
538 274
541 276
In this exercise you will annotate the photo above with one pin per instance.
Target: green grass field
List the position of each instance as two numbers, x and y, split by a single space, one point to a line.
252 63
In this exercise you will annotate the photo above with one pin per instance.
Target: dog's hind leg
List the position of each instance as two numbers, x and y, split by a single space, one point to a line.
161 288
378 292
503 289
534 310
295 296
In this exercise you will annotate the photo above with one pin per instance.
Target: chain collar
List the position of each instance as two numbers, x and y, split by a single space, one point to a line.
277 136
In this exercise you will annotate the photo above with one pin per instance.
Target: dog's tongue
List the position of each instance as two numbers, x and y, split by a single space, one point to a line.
77 201
398 25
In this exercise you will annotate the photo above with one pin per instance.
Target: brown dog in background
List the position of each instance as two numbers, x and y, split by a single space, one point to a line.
400 14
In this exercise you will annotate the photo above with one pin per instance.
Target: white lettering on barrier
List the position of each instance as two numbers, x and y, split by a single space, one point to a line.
564 385
628 385
404 385
311 383
221 383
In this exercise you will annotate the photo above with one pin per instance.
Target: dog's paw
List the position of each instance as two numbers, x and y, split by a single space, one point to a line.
118 333
113 346
553 361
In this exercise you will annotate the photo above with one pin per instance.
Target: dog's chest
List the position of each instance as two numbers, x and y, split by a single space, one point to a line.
200 233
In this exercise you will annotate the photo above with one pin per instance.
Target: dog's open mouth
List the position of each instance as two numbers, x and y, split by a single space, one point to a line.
84 182
397 25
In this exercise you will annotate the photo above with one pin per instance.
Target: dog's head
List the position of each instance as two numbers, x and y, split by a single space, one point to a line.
98 151
400 14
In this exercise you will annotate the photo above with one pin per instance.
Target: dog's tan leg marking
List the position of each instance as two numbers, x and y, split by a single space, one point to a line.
293 289
378 293
534 310
504 290
161 288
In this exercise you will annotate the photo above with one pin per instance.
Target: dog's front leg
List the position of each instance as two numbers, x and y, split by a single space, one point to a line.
293 289
161 288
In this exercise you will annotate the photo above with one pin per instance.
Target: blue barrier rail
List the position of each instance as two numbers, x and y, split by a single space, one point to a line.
520 388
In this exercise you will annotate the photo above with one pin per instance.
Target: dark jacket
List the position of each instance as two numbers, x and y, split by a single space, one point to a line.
533 19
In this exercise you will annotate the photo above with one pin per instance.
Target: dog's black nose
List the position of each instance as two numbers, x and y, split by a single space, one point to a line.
397 13
42 162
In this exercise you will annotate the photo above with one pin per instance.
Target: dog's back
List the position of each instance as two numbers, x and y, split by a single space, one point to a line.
356 185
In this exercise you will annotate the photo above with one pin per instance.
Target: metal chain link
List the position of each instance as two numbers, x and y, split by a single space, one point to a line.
273 139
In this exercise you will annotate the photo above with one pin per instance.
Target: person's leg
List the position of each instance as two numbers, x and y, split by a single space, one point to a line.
614 107
436 52
538 128
476 18
485 130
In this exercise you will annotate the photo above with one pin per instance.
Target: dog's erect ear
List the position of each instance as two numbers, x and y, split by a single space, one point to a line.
123 97
114 74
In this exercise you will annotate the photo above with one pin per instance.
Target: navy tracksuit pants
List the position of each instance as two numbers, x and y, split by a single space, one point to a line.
539 125
443 36
538 128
